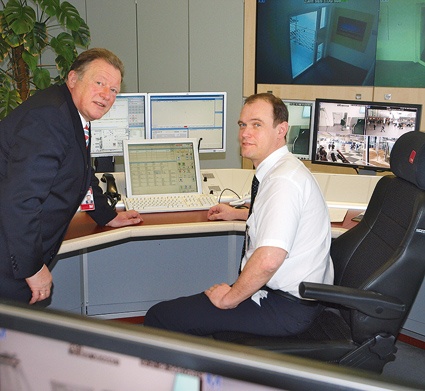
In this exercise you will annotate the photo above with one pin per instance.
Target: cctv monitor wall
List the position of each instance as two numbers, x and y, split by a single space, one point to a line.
360 134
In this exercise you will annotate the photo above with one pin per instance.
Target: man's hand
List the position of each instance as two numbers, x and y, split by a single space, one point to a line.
125 218
226 212
40 284
217 294
259 269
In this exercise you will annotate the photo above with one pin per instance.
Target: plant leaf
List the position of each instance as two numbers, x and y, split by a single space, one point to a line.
30 59
82 35
7 34
4 49
41 78
50 7
20 18
9 100
37 39
64 45
69 16
63 66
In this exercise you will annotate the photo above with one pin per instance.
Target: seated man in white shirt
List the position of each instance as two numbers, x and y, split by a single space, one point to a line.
287 241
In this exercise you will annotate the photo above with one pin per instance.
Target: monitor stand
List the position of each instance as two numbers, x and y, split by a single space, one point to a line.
104 164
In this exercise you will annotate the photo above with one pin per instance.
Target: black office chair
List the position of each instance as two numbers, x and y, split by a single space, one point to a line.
379 268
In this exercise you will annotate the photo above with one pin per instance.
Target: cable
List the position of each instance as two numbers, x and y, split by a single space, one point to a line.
227 189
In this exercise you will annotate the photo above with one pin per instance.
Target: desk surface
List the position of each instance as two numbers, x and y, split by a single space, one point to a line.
83 232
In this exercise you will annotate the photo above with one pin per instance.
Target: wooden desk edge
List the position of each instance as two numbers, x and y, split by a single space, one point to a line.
140 231
85 233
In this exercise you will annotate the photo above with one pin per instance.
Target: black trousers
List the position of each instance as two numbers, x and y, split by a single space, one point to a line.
275 316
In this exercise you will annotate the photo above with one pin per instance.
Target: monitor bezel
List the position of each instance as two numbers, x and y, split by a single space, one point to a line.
202 355
312 117
356 167
153 95
160 141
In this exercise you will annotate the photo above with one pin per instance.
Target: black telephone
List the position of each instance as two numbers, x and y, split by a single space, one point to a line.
111 189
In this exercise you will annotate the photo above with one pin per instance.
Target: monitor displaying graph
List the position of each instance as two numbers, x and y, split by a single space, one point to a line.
125 120
200 115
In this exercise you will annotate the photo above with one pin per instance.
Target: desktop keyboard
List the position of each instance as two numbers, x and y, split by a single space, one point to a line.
170 203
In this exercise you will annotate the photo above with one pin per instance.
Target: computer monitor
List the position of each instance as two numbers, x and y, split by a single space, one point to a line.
301 119
50 350
162 166
200 115
360 134
320 42
125 120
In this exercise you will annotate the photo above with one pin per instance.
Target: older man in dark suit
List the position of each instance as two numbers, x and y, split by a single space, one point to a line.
45 173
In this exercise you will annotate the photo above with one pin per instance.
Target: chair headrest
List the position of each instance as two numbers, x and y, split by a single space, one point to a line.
407 159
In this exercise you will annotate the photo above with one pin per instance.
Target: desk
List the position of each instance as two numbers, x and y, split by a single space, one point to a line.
111 273
121 272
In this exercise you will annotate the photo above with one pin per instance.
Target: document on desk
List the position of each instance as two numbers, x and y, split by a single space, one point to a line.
337 215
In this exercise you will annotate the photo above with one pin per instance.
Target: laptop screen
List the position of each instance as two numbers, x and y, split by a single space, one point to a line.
162 167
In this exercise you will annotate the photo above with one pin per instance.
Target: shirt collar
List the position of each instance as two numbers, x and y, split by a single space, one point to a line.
83 121
269 162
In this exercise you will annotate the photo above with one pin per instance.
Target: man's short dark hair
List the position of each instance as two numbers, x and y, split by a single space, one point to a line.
280 111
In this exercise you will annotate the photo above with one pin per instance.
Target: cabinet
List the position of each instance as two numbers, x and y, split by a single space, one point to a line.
125 278
178 46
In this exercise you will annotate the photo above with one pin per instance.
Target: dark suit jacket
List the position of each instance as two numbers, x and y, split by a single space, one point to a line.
45 173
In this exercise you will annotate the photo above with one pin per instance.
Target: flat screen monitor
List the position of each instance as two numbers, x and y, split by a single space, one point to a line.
325 42
125 120
200 115
50 350
301 119
360 134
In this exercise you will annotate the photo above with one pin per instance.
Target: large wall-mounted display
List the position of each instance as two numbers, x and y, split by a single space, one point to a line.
400 54
351 42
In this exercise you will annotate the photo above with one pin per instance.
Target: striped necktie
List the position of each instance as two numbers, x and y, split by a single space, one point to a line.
87 134
254 189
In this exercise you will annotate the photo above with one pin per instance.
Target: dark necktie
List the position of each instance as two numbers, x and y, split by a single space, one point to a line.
254 189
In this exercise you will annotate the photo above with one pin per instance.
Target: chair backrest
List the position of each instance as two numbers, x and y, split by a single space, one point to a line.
385 252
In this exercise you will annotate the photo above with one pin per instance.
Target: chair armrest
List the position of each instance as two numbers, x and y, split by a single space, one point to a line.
368 302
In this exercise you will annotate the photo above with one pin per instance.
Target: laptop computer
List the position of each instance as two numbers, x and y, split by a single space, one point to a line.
164 175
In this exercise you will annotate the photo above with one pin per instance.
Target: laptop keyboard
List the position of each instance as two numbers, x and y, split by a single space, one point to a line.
170 203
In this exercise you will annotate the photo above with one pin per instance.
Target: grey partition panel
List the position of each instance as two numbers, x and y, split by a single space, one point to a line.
163 45
113 25
178 45
216 64
126 278
131 277
68 286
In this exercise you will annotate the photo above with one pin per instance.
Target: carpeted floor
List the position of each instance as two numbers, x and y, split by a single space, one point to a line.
408 366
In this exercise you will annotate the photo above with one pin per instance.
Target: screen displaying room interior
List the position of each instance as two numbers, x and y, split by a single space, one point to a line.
125 120
317 42
200 115
300 132
360 134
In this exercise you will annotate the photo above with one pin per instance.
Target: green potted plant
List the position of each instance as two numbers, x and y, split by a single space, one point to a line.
30 28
